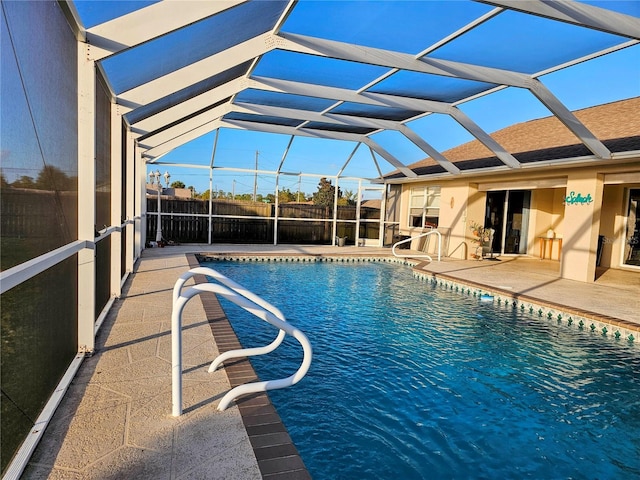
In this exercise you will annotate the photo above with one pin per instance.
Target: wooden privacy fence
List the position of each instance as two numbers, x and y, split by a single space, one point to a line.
187 221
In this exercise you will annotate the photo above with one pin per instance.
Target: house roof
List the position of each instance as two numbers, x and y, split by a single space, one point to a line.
616 124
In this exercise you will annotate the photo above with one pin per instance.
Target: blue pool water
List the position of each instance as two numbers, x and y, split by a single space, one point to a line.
410 381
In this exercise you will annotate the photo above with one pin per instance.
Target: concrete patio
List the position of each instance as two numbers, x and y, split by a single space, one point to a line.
115 420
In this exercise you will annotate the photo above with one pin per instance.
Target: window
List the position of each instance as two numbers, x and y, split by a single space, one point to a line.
424 206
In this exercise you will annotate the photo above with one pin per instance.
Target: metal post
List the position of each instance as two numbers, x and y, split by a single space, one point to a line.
158 226
155 177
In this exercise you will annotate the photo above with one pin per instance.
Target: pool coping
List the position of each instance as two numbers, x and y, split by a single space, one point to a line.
571 316
275 452
592 320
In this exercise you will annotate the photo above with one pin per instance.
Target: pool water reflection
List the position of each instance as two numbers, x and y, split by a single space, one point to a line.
410 381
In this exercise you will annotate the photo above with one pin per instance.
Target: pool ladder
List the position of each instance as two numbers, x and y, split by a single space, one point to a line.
424 255
252 303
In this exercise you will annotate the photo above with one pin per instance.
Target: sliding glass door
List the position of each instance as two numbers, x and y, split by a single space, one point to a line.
507 213
632 237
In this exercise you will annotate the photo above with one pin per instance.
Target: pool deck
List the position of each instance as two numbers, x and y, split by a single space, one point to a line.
115 418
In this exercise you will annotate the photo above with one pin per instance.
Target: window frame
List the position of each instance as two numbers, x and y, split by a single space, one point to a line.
425 199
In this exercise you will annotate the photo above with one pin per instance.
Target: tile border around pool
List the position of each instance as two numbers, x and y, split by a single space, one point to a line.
582 320
277 456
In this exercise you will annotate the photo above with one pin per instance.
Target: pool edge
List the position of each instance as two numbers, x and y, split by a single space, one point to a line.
275 452
584 320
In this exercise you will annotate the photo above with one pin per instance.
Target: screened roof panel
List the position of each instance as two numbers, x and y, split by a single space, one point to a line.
336 127
399 77
192 91
524 43
316 70
248 117
94 13
374 111
285 100
399 146
383 24
168 53
430 87
178 121
437 128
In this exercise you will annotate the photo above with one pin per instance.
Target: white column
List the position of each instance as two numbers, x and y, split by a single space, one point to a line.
383 216
86 199
335 214
358 205
275 215
132 233
210 204
140 201
116 199
581 226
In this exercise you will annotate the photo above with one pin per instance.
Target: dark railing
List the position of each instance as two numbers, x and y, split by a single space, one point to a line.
187 221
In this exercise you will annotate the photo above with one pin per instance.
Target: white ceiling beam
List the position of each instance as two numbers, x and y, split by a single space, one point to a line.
390 59
429 150
196 72
563 114
206 117
329 135
577 13
147 23
311 116
402 102
341 94
175 142
504 156
406 171
233 87
356 121
191 106
287 130
179 129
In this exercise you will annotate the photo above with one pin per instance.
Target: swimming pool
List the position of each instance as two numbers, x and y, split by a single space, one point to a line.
410 381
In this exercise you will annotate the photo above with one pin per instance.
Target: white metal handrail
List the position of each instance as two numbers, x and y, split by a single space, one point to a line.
261 309
406 240
27 270
243 352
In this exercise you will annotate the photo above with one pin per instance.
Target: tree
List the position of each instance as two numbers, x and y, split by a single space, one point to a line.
177 184
52 178
25 181
285 196
350 197
326 193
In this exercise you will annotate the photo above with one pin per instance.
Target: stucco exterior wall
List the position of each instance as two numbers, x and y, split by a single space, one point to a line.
595 208
583 208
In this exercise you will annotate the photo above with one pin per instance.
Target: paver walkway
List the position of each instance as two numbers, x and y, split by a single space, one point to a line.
115 421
